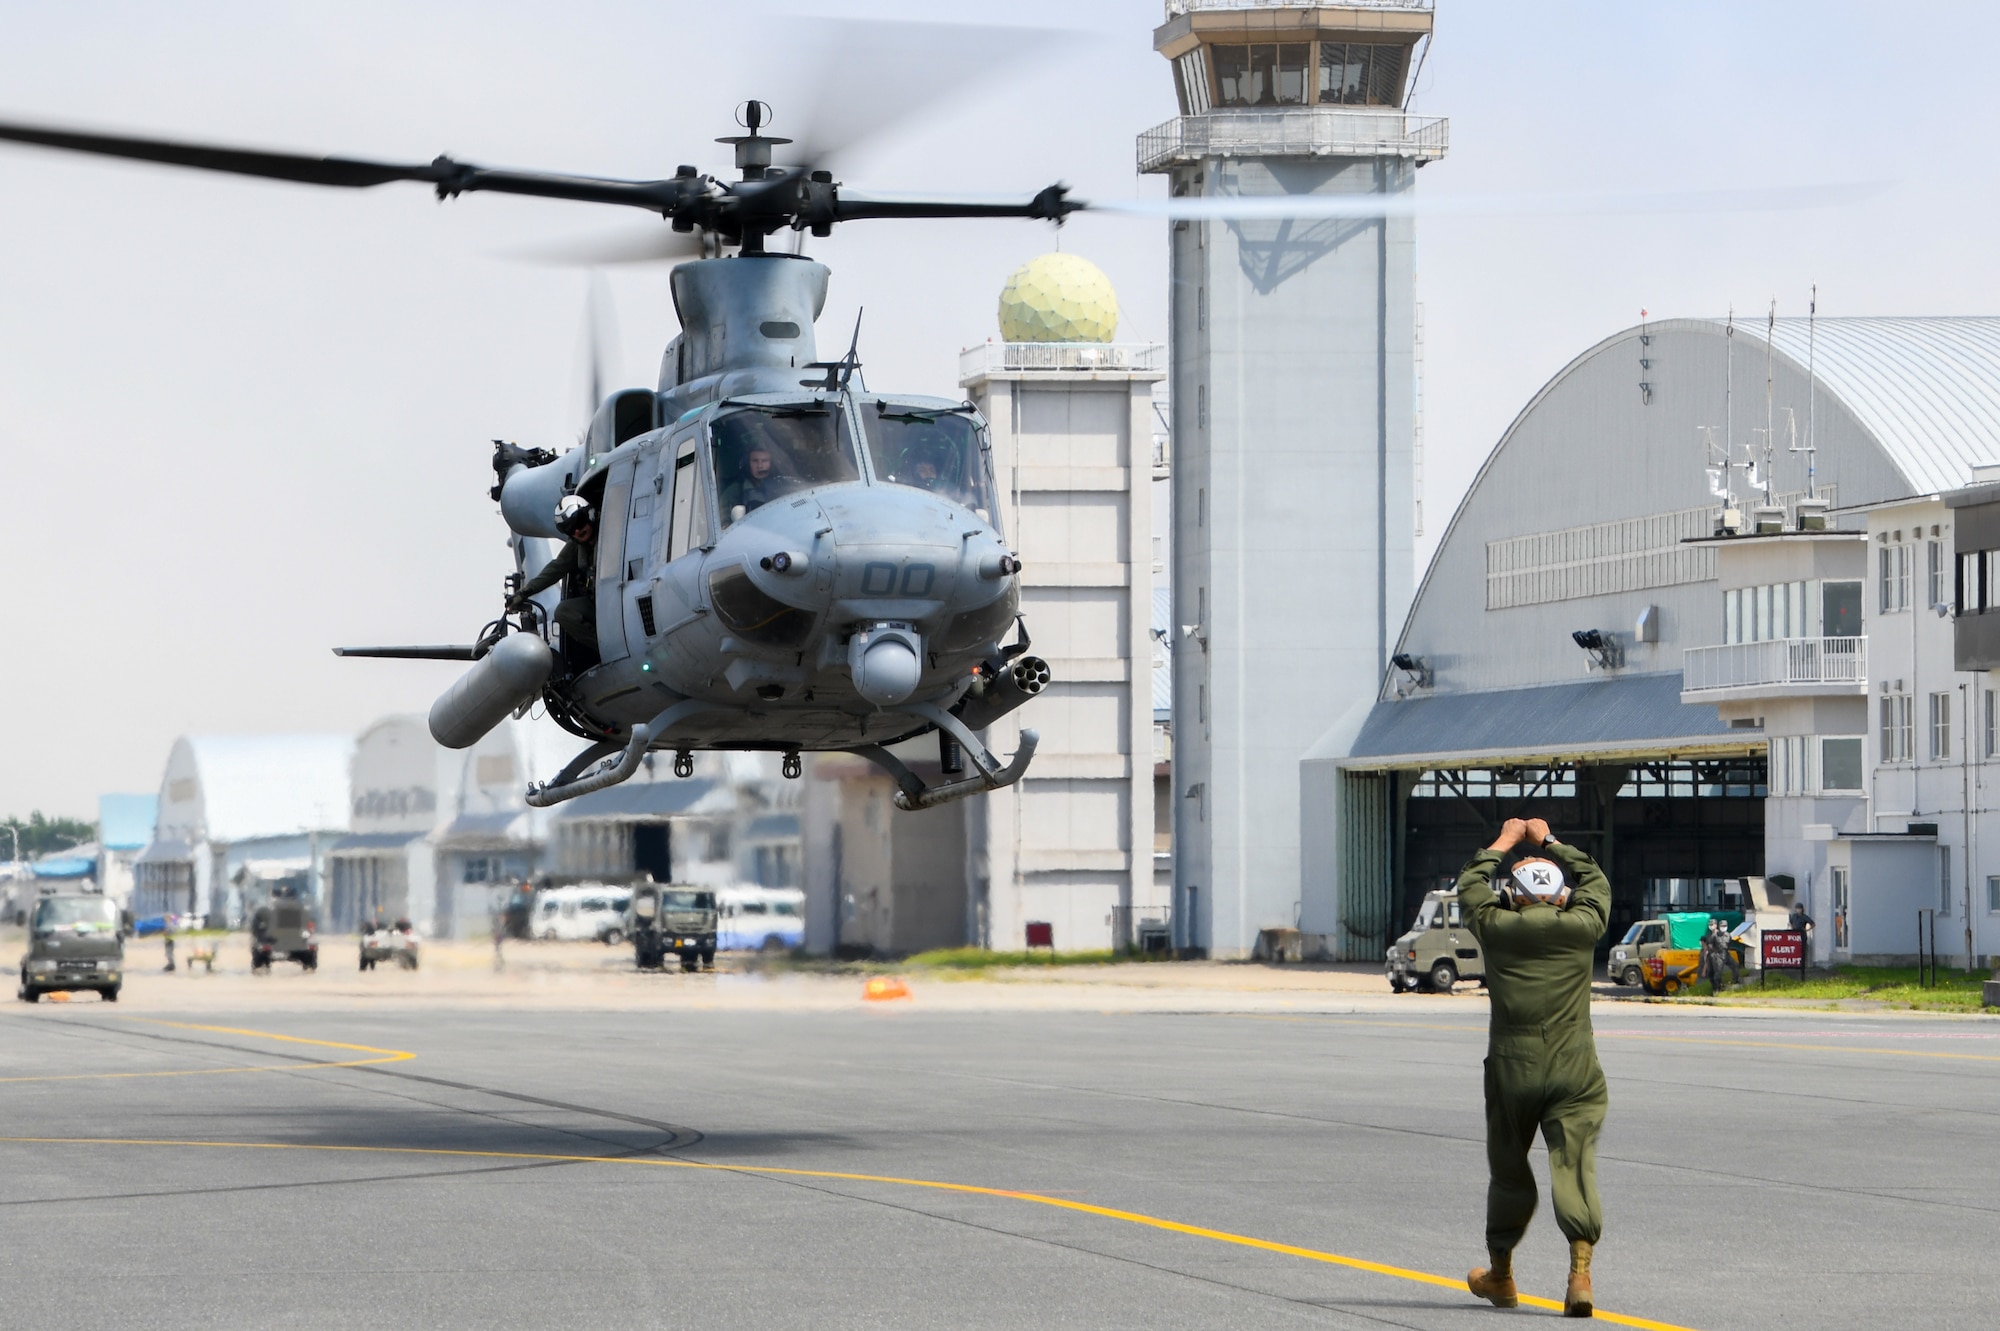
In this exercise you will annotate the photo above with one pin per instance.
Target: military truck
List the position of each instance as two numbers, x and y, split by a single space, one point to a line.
76 940
663 919
284 927
1438 951
1648 938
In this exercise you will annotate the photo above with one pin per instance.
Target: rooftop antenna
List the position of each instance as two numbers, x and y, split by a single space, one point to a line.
1812 389
1770 416
1729 388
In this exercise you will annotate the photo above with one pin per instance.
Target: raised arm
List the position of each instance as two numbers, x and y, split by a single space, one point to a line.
1592 894
1477 901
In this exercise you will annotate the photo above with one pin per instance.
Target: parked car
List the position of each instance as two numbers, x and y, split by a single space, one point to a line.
397 943
760 917
583 912
1438 951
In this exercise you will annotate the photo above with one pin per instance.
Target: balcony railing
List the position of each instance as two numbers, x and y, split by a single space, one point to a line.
1298 131
1061 358
1782 663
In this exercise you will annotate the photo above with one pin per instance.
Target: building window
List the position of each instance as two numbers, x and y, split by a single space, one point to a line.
1989 579
1898 727
1894 577
1840 763
1193 68
1944 880
1992 706
1791 765
1840 610
1934 569
1262 75
1993 896
1940 725
1361 73
1840 906
1969 598
1761 614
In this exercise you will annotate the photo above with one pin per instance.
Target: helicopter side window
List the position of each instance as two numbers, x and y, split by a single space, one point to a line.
764 453
930 450
685 485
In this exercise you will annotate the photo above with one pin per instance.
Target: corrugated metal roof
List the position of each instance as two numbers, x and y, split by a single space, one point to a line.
1928 389
1635 709
639 801
772 827
373 841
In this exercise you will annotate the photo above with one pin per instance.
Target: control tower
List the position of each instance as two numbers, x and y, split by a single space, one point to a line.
1293 378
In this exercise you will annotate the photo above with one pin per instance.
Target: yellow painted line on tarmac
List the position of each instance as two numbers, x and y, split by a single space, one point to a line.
381 1056
1040 1199
1743 1042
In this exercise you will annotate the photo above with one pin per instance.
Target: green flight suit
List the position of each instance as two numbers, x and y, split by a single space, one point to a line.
576 615
1541 1059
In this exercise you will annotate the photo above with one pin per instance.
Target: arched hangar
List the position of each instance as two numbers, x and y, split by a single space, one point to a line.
1540 666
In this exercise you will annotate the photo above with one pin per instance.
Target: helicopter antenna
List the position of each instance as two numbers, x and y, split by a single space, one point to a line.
838 372
852 360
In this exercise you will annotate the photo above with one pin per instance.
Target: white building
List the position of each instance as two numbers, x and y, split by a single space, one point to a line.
1690 710
234 805
1073 845
1294 383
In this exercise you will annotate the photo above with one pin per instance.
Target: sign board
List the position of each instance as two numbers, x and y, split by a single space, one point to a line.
1785 949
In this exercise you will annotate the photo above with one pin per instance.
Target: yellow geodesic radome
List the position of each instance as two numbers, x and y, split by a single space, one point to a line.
1058 298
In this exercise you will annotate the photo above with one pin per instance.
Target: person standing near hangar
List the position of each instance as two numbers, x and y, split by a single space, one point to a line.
1539 934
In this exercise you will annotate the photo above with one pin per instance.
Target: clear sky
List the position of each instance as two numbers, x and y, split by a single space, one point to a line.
243 421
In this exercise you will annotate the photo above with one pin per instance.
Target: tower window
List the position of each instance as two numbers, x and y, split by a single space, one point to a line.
1361 73
1266 74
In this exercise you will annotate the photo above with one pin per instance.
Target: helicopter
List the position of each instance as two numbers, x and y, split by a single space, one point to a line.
781 560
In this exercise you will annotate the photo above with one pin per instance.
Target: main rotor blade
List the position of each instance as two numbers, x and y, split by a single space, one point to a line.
861 78
634 244
453 653
1051 205
449 177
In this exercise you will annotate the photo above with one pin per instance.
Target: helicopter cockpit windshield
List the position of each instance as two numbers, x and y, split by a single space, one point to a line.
764 453
929 449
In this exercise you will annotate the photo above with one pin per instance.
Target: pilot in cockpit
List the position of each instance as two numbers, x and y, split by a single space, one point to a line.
762 479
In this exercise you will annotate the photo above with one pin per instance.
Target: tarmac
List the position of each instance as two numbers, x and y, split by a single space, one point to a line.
568 1143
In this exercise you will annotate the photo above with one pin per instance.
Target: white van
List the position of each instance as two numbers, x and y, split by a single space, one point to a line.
760 917
581 913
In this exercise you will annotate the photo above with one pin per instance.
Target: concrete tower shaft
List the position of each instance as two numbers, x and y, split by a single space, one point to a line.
1294 387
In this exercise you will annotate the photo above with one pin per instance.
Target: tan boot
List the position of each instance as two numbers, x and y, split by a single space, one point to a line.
1576 1299
1495 1284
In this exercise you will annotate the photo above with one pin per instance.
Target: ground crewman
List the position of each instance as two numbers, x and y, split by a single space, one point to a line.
1539 935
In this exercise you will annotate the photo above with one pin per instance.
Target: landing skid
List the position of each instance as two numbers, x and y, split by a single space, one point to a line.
911 792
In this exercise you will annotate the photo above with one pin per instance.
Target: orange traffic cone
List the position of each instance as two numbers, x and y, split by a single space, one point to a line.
883 987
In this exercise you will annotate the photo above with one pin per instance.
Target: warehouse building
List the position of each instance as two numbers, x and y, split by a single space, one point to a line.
1696 711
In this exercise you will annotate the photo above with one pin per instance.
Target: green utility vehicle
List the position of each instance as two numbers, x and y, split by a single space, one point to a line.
672 919
284 928
1438 951
75 941
1678 929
